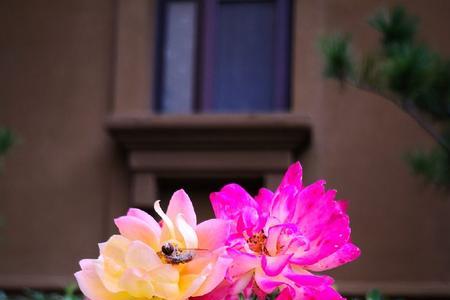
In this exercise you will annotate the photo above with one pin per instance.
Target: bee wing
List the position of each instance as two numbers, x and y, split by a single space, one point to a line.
198 252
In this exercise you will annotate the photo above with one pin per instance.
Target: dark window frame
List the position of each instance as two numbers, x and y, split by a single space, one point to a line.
203 85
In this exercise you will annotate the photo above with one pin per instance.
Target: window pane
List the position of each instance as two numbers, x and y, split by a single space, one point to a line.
244 56
178 57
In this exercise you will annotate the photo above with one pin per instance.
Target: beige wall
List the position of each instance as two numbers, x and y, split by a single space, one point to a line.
55 73
61 186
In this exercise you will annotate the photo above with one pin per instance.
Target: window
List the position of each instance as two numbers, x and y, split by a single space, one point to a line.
223 56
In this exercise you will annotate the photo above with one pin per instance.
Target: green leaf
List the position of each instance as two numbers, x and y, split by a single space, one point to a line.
434 165
407 70
336 52
395 25
7 140
374 295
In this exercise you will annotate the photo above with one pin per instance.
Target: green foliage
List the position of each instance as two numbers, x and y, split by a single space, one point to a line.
69 294
7 140
406 73
336 49
374 295
271 296
407 70
433 165
396 27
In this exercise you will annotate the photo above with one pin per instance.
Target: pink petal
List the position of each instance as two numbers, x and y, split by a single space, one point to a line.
140 214
228 290
212 233
345 254
286 294
308 279
325 225
227 203
242 262
88 264
273 265
319 293
284 204
306 198
293 176
248 220
181 204
343 205
273 237
136 229
215 277
264 199
268 284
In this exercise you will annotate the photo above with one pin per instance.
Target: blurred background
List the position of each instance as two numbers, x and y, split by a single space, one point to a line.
111 104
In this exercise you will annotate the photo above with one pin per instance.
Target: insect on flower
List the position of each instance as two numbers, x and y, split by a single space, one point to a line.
172 254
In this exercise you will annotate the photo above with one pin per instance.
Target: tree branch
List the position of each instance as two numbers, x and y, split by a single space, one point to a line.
408 107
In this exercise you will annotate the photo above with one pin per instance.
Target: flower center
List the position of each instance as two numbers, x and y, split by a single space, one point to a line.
257 242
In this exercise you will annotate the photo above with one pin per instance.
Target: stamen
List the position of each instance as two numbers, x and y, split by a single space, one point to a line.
257 242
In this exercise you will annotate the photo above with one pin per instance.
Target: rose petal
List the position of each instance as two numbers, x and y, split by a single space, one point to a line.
115 249
227 203
273 265
215 276
345 254
188 233
308 279
284 204
136 229
242 262
325 226
140 214
136 285
306 198
212 233
181 204
264 199
293 176
189 284
280 236
141 256
92 287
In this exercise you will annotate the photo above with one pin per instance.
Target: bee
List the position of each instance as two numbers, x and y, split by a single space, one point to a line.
170 253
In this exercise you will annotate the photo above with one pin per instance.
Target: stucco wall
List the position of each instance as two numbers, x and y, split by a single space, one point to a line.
55 73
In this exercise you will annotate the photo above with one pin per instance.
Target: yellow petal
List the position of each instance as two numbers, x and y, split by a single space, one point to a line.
136 284
189 284
141 256
115 249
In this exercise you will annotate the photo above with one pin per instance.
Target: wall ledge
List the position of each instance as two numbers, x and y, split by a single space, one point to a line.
281 131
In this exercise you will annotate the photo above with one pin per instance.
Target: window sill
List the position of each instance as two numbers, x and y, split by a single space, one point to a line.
281 131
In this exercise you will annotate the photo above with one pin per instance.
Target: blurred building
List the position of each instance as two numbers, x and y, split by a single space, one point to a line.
118 103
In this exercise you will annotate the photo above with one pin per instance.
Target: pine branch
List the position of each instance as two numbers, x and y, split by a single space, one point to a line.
408 107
